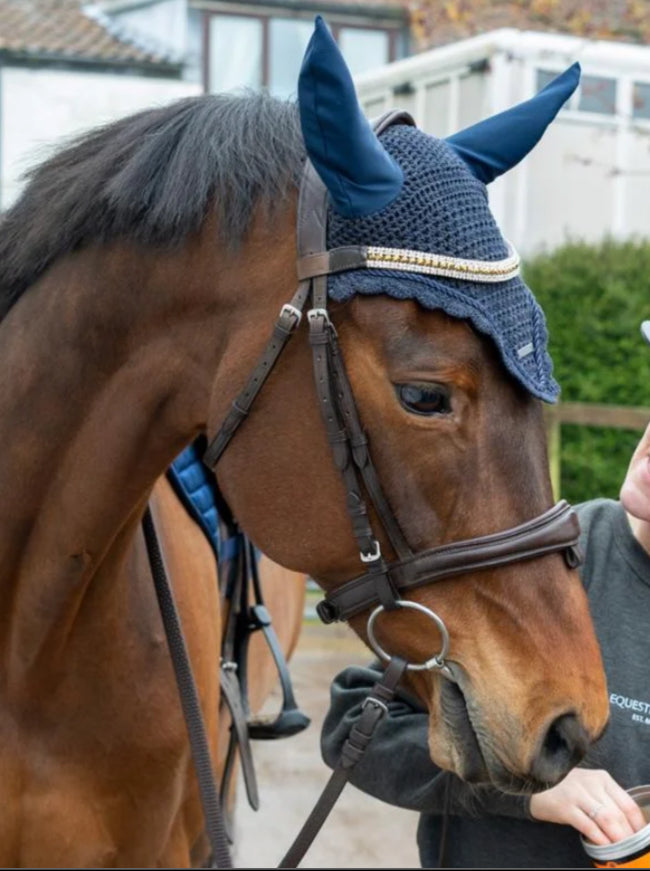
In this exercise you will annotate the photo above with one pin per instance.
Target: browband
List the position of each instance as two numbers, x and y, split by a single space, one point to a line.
406 260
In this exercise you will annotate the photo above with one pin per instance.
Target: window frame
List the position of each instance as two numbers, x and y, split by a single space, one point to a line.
265 14
572 105
581 94
624 117
643 120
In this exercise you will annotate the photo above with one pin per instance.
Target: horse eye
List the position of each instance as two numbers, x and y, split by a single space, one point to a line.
427 399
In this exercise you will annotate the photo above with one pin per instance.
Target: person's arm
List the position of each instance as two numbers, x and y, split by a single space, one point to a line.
397 767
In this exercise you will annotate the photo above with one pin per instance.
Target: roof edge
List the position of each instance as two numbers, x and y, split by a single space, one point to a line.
36 58
128 37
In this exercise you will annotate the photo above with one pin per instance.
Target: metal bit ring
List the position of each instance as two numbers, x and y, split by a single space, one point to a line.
437 661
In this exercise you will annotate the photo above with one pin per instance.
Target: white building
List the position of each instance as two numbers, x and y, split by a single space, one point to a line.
230 44
589 176
64 68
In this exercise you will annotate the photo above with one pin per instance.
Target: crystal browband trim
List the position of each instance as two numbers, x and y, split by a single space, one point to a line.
350 257
403 259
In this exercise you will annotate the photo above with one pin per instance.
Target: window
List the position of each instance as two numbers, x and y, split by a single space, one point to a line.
288 40
235 58
258 50
364 49
641 100
544 77
193 62
597 94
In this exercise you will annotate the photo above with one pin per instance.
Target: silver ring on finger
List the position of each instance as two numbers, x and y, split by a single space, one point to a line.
593 813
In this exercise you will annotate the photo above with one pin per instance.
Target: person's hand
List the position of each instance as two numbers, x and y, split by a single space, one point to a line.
593 803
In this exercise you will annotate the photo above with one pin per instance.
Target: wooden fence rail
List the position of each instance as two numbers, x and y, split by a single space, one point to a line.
587 414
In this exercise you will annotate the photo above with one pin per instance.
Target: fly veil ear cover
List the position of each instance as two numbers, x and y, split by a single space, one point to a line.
418 205
359 174
495 145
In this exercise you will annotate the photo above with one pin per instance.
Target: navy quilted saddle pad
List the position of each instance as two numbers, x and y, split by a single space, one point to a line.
196 490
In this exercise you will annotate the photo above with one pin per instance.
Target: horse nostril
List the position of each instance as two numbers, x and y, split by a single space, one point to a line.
564 745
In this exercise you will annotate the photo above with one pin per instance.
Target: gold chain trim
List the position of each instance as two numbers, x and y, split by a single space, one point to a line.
403 259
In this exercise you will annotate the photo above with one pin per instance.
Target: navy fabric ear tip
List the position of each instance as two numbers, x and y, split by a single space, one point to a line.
359 174
495 145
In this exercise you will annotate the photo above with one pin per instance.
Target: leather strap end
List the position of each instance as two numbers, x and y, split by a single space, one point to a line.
329 262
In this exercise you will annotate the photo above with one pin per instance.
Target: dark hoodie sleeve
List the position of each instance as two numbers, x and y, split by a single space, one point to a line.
397 767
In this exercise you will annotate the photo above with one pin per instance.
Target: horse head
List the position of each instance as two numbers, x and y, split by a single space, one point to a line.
445 350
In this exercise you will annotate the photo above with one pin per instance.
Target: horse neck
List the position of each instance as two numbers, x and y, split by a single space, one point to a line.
108 367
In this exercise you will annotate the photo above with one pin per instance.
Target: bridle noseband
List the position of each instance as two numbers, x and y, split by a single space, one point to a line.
381 583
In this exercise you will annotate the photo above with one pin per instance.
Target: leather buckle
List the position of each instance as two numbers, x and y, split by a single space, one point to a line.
314 313
292 312
229 665
374 555
376 703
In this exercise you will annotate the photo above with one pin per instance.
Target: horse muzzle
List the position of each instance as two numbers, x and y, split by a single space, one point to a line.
479 754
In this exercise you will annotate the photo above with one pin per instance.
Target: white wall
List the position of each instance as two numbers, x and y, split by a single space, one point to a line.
41 108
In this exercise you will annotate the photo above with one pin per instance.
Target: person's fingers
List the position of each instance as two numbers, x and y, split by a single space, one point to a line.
588 827
628 806
610 819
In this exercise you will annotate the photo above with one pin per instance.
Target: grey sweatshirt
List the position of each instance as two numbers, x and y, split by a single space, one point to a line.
487 828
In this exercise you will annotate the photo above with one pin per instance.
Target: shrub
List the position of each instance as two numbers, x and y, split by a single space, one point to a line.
595 298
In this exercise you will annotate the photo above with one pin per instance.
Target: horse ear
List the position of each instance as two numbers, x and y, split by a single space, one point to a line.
359 174
495 145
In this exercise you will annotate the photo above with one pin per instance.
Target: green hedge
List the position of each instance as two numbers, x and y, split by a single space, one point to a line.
595 298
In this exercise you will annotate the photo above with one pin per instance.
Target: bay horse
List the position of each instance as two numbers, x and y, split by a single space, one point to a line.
140 274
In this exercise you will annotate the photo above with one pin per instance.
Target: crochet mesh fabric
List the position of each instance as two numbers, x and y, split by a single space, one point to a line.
443 209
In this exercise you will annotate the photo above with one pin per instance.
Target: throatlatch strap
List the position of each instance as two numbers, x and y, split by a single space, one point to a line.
287 322
373 710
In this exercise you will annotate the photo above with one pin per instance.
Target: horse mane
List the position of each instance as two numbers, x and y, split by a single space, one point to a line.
152 177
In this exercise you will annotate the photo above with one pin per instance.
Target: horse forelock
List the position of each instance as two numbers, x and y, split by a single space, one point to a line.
151 178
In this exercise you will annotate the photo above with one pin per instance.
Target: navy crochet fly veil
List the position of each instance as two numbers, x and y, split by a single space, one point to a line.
419 204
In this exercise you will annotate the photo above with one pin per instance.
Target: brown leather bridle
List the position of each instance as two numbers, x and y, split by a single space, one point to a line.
381 583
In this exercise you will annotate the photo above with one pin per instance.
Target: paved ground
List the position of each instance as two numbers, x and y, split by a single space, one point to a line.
361 832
